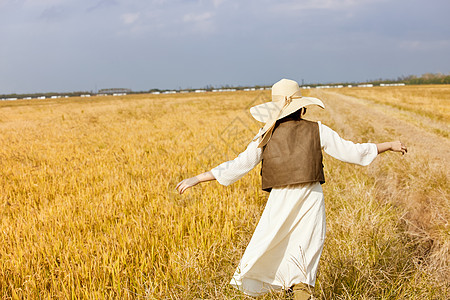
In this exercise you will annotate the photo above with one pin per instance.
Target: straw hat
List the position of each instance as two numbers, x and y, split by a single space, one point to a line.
286 99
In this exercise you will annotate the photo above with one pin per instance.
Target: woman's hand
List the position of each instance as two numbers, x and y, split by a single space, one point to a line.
187 183
397 146
190 182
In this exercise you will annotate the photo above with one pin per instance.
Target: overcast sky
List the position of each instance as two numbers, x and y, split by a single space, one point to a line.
73 45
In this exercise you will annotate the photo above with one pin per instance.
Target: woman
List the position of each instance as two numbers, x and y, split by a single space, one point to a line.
286 246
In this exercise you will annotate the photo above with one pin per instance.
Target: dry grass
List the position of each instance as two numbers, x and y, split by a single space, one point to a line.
430 100
427 106
89 210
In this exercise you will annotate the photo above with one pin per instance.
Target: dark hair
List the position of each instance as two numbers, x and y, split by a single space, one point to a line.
297 114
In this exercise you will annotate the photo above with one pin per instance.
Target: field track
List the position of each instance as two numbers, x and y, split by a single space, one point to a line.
385 118
355 115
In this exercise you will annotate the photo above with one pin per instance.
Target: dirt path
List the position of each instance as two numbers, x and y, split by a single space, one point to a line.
346 109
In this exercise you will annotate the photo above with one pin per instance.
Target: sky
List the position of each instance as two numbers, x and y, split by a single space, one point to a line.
86 45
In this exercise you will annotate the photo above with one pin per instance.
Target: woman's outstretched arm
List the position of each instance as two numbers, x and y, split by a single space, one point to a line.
190 182
355 153
396 146
228 172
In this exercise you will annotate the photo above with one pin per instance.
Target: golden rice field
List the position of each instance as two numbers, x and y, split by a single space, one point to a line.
89 210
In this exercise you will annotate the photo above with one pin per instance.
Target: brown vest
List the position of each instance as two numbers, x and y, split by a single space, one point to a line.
293 154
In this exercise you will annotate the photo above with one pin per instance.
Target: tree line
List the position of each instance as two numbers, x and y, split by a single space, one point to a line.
427 78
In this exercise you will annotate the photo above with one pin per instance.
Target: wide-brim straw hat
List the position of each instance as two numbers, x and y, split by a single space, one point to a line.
286 99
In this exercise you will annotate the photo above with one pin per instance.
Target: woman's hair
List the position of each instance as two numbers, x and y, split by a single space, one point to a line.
297 114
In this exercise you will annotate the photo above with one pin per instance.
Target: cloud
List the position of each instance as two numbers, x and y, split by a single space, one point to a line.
194 17
129 18
200 22
102 4
217 3
287 6
43 2
327 40
53 13
420 45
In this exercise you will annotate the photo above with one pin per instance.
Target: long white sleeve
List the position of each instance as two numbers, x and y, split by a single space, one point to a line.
346 151
231 171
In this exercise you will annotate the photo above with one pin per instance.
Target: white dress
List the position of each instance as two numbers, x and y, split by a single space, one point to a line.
287 243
